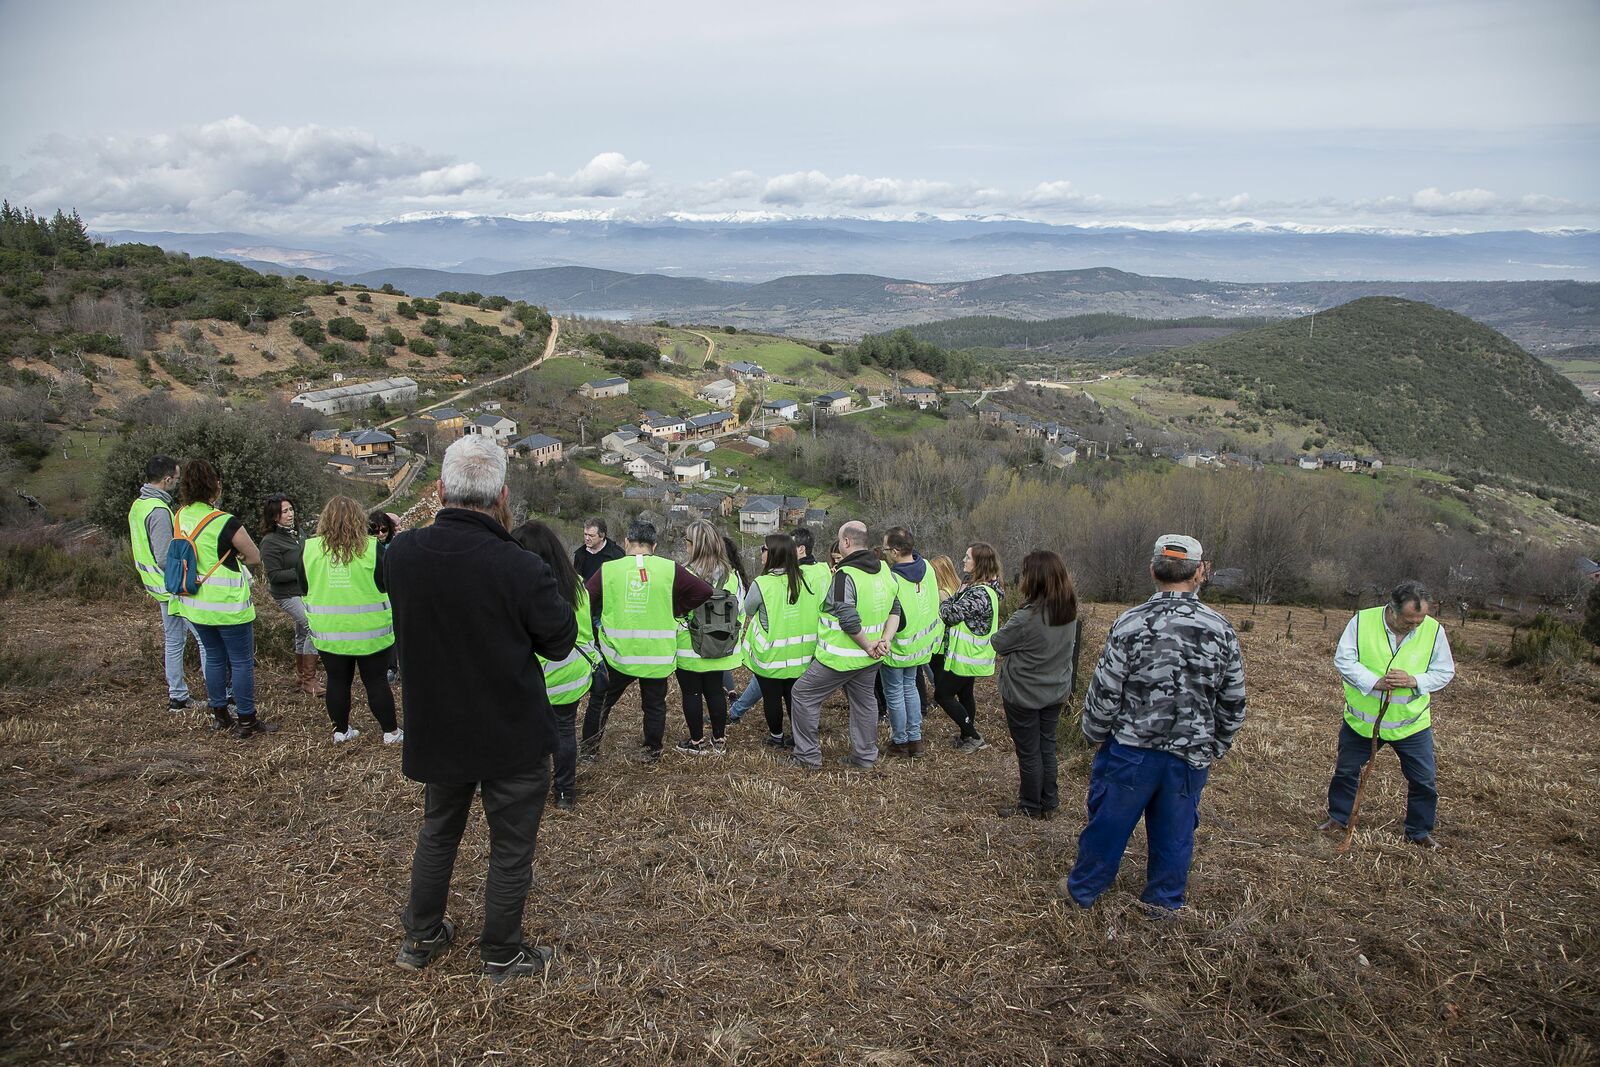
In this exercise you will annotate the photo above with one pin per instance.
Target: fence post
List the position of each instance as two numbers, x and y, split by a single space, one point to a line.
1288 626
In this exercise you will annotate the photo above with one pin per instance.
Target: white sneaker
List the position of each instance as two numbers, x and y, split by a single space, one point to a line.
349 735
394 737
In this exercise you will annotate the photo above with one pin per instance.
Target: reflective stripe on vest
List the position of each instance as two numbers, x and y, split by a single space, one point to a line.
967 654
874 598
1413 656
638 633
788 642
568 678
919 634
347 614
224 598
152 574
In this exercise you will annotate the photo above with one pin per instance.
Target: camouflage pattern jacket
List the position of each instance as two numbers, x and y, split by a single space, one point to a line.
1171 678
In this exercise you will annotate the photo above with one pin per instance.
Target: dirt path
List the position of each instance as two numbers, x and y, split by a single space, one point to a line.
549 349
711 346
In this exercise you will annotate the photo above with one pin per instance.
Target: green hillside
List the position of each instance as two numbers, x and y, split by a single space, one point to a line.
1409 380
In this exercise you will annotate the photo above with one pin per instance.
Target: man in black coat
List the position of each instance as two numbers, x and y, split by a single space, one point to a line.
471 610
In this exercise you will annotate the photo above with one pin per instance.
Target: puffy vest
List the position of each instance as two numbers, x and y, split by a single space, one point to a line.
786 645
817 576
347 614
567 679
145 564
1408 709
921 632
224 598
686 654
967 654
874 598
638 633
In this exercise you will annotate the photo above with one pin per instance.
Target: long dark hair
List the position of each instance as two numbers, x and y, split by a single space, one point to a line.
198 484
782 556
1047 586
538 538
735 559
271 510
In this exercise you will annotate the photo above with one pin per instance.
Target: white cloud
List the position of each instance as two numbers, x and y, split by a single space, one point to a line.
609 174
1462 201
855 191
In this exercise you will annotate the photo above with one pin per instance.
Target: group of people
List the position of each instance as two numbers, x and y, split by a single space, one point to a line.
501 635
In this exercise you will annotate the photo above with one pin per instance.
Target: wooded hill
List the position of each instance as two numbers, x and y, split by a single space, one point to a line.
1410 380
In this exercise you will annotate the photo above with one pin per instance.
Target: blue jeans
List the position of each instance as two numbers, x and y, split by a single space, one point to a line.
901 700
1416 763
231 647
747 700
1126 783
176 631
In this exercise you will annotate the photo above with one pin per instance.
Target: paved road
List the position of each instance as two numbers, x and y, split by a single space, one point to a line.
549 348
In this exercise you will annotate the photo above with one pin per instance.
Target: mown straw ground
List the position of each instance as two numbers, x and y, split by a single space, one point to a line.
167 896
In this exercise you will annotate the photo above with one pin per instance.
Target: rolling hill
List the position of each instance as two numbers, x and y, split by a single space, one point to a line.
1411 380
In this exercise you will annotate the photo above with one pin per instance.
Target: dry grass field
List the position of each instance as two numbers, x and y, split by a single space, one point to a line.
167 896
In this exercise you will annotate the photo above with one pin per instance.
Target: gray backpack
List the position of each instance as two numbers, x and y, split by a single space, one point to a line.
714 626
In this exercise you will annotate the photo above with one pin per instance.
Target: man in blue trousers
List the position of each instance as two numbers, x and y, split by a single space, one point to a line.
1166 701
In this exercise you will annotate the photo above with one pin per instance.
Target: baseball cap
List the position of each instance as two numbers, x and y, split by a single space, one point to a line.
1178 546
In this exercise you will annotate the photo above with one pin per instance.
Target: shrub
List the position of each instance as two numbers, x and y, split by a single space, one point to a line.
44 561
422 346
1591 615
347 329
341 301
1546 642
363 298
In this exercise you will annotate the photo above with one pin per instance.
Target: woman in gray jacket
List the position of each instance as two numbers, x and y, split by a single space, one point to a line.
1038 644
280 558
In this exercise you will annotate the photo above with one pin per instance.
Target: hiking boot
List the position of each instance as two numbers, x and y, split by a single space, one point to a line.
856 763
174 704
719 746
690 747
972 744
901 749
394 737
914 748
530 960
1013 810
349 734
1425 842
647 754
220 720
566 801
1332 826
247 728
417 953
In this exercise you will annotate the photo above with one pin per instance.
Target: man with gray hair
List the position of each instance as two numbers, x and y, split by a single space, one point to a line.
472 612
860 616
1166 701
1392 658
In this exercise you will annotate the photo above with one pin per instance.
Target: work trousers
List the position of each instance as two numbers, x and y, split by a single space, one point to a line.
1126 783
512 807
374 669
1033 733
652 699
776 698
229 651
295 608
175 631
805 711
699 688
1416 763
954 694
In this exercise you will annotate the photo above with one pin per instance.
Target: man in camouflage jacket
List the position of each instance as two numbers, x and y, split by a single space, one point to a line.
1166 700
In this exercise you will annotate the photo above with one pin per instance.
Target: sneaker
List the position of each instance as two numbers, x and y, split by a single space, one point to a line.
416 954
394 737
178 703
648 754
351 734
529 960
972 744
857 763
733 720
566 801
780 740
1015 810
690 747
719 746
394 676
247 728
800 764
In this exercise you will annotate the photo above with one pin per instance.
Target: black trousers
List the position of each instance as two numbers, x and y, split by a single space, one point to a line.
652 697
566 773
775 700
374 669
599 685
703 687
512 807
953 692
1033 732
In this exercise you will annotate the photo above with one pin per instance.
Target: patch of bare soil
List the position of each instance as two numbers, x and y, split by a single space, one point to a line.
168 896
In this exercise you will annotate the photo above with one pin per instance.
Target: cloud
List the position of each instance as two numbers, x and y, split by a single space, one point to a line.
609 174
1462 201
854 191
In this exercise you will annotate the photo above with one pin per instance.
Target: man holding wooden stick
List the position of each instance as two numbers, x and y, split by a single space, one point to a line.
1393 658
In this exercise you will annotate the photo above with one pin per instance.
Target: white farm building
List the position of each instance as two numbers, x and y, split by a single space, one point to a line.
342 398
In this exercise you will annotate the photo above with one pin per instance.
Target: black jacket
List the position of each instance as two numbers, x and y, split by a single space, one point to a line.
471 608
280 557
586 562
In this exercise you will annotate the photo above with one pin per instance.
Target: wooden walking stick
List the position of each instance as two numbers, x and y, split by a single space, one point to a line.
1361 786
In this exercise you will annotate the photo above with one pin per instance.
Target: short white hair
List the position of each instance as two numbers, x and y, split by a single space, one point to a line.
473 473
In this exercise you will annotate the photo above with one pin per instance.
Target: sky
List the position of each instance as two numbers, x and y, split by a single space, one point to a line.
1435 115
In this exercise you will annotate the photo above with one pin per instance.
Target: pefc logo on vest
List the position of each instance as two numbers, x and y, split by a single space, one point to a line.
638 598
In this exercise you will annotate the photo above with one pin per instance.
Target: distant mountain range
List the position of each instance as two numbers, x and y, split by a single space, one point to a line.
755 250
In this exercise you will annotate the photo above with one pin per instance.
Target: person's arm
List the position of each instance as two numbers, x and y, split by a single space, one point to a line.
1347 660
1229 713
1441 667
1015 632
547 617
158 531
377 568
688 592
841 604
593 585
245 548
752 599
282 558
1103 701
891 625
